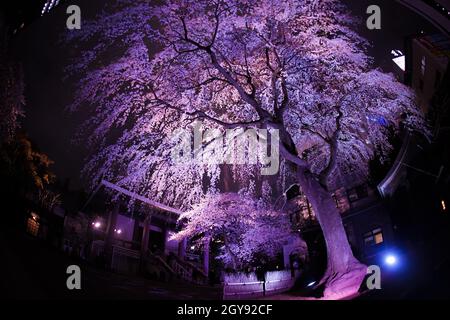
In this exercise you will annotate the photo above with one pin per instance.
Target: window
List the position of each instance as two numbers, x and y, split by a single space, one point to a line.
341 200
352 196
374 237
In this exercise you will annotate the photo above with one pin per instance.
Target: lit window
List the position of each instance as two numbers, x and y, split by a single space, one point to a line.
374 237
378 238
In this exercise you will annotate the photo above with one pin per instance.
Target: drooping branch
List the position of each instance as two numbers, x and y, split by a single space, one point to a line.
333 145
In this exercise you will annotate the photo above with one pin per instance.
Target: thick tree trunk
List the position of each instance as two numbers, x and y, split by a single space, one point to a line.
344 273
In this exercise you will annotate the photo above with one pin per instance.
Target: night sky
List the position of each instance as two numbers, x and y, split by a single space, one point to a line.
52 128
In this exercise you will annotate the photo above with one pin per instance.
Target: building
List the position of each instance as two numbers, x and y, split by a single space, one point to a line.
135 241
365 217
423 65
417 187
426 57
429 57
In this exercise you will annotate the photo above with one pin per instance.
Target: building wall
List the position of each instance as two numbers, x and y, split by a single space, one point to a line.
370 231
429 63
126 226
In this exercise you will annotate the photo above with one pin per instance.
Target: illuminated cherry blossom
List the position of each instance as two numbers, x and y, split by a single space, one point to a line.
243 226
297 66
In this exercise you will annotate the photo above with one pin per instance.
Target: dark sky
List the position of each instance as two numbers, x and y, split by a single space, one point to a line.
397 22
47 122
47 95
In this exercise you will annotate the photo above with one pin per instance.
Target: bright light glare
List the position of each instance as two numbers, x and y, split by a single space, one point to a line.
444 207
391 260
311 284
96 224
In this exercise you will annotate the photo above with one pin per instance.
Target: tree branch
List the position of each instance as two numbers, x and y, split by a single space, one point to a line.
333 144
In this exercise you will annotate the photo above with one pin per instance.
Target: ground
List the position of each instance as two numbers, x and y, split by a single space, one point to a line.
31 270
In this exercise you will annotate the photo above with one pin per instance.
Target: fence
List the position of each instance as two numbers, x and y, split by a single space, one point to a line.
247 286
